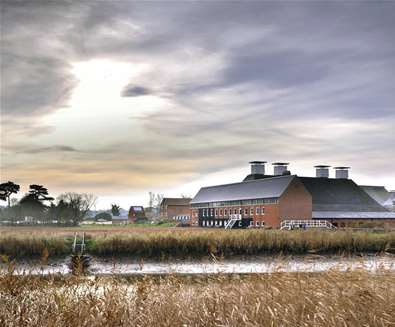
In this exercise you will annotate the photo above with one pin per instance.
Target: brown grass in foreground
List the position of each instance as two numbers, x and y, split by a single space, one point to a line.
281 299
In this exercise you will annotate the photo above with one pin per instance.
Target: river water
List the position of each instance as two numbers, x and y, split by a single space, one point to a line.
266 264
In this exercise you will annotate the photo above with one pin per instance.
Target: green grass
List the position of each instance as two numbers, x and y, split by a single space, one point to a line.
202 243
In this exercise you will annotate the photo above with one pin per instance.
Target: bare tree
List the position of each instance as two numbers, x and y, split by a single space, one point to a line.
159 198
151 199
78 204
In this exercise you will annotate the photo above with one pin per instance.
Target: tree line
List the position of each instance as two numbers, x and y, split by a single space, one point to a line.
37 206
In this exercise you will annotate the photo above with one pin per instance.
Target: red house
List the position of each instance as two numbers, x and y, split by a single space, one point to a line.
136 214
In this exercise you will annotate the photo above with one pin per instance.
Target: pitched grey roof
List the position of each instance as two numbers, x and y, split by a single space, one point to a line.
353 215
378 193
255 189
332 194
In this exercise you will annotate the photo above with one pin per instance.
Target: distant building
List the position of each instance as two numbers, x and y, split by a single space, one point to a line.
171 207
120 220
263 200
136 214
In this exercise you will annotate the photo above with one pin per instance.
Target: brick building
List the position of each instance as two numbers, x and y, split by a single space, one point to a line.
172 207
136 214
262 200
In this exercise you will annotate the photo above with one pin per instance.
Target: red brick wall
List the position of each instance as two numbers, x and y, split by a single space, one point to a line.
295 203
174 210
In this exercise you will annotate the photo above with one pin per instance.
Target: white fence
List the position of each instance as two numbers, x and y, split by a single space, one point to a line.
304 224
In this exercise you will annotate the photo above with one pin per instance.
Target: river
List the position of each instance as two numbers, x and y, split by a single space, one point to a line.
264 264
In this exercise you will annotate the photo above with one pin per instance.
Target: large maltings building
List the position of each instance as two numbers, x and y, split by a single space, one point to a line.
263 200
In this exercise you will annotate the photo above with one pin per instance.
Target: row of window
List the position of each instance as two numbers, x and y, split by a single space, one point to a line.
221 223
235 203
225 212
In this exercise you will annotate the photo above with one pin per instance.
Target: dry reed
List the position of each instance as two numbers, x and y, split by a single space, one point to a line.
202 243
280 299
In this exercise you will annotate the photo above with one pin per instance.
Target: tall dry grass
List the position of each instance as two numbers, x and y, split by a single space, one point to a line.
280 299
201 243
241 242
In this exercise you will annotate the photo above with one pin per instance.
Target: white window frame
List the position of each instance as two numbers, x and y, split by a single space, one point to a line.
257 224
262 210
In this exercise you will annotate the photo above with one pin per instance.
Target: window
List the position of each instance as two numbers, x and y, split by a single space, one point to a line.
220 223
251 211
251 223
204 212
258 210
212 212
257 224
246 211
240 211
220 212
225 212
216 212
203 223
235 211
263 210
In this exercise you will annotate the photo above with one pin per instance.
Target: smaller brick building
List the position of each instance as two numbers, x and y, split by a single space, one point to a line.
171 207
136 214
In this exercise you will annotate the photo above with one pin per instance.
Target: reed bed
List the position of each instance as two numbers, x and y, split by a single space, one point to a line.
203 243
280 299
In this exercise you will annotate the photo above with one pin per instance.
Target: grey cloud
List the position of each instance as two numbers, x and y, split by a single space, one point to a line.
135 91
322 61
277 69
34 86
47 149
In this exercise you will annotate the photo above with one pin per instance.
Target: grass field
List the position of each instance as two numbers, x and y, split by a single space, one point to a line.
168 242
280 299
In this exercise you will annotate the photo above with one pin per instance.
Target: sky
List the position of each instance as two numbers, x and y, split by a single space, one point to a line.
119 98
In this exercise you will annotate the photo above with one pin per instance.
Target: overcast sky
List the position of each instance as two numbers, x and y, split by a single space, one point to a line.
119 98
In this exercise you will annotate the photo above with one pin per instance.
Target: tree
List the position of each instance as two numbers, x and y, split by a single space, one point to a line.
31 206
115 210
39 192
159 198
103 216
151 199
78 205
6 189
